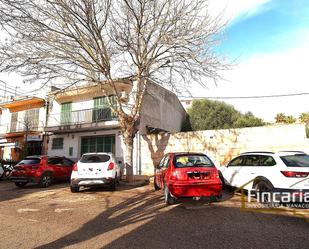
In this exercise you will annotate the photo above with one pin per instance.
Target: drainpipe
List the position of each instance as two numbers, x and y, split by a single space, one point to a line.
139 154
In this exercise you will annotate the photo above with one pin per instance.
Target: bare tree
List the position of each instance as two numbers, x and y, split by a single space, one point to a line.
169 42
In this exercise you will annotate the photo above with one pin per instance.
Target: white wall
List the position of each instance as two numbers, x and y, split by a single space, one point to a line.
74 140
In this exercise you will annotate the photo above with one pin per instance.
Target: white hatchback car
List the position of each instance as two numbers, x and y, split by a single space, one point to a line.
285 171
95 169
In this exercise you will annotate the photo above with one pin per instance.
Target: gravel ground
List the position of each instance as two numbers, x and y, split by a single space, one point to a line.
136 217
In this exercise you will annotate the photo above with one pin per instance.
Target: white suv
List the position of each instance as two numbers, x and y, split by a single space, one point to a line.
267 171
95 169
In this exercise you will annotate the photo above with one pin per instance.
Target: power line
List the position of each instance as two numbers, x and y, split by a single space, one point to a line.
248 97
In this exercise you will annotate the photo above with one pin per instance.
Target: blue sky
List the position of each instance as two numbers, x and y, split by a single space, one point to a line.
268 42
276 26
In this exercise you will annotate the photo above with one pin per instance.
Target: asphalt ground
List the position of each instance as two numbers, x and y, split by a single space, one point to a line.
136 217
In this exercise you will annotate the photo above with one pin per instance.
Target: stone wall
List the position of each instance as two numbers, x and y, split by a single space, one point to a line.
222 145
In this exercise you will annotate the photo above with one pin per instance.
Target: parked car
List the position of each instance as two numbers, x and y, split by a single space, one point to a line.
187 175
95 169
42 170
285 171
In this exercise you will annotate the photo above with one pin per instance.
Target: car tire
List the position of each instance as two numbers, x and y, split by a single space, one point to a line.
20 184
155 185
263 187
168 198
113 184
46 180
74 189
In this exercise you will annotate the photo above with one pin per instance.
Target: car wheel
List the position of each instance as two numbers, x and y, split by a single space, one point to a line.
113 184
169 200
20 184
46 180
156 187
74 189
261 188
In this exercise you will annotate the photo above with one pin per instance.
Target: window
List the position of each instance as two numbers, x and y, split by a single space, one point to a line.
166 161
267 161
162 162
55 160
57 143
102 110
30 160
31 119
301 160
67 162
70 151
236 162
251 160
14 121
192 160
95 158
66 112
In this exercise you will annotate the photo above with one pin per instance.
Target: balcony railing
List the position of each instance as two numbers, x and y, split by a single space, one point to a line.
81 116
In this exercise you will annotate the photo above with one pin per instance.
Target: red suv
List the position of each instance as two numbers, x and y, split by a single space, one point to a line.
187 175
42 170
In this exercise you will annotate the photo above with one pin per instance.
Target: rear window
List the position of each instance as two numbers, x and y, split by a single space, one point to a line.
28 161
95 158
192 160
301 160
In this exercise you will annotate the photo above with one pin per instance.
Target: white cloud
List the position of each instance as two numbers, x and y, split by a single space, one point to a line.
268 74
234 9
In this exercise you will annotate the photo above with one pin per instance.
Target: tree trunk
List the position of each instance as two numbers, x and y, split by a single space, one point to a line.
128 141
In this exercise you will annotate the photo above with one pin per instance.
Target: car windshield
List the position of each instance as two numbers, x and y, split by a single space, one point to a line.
192 160
28 161
301 160
95 158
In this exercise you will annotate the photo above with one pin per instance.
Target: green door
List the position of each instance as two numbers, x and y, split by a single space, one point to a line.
98 144
66 110
101 109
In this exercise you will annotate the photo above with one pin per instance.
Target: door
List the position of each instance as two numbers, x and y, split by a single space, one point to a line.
66 112
248 171
158 172
230 172
55 163
67 166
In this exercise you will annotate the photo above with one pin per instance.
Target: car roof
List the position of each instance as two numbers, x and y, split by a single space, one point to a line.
99 153
279 153
186 153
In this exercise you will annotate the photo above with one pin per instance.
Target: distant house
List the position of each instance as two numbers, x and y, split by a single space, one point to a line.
80 120
22 127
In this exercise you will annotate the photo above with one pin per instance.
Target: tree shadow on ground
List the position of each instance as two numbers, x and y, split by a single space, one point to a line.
136 209
181 226
9 191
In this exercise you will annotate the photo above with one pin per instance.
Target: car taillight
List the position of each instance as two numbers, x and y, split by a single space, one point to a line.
294 174
75 167
111 166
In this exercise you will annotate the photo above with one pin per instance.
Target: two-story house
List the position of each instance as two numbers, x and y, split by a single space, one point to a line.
22 127
80 119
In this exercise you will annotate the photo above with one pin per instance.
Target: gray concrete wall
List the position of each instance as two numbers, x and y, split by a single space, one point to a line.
161 109
223 145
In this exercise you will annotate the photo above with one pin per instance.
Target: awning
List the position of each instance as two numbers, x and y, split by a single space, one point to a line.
23 104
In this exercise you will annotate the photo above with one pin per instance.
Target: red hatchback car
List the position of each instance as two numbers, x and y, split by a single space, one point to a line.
42 170
187 175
